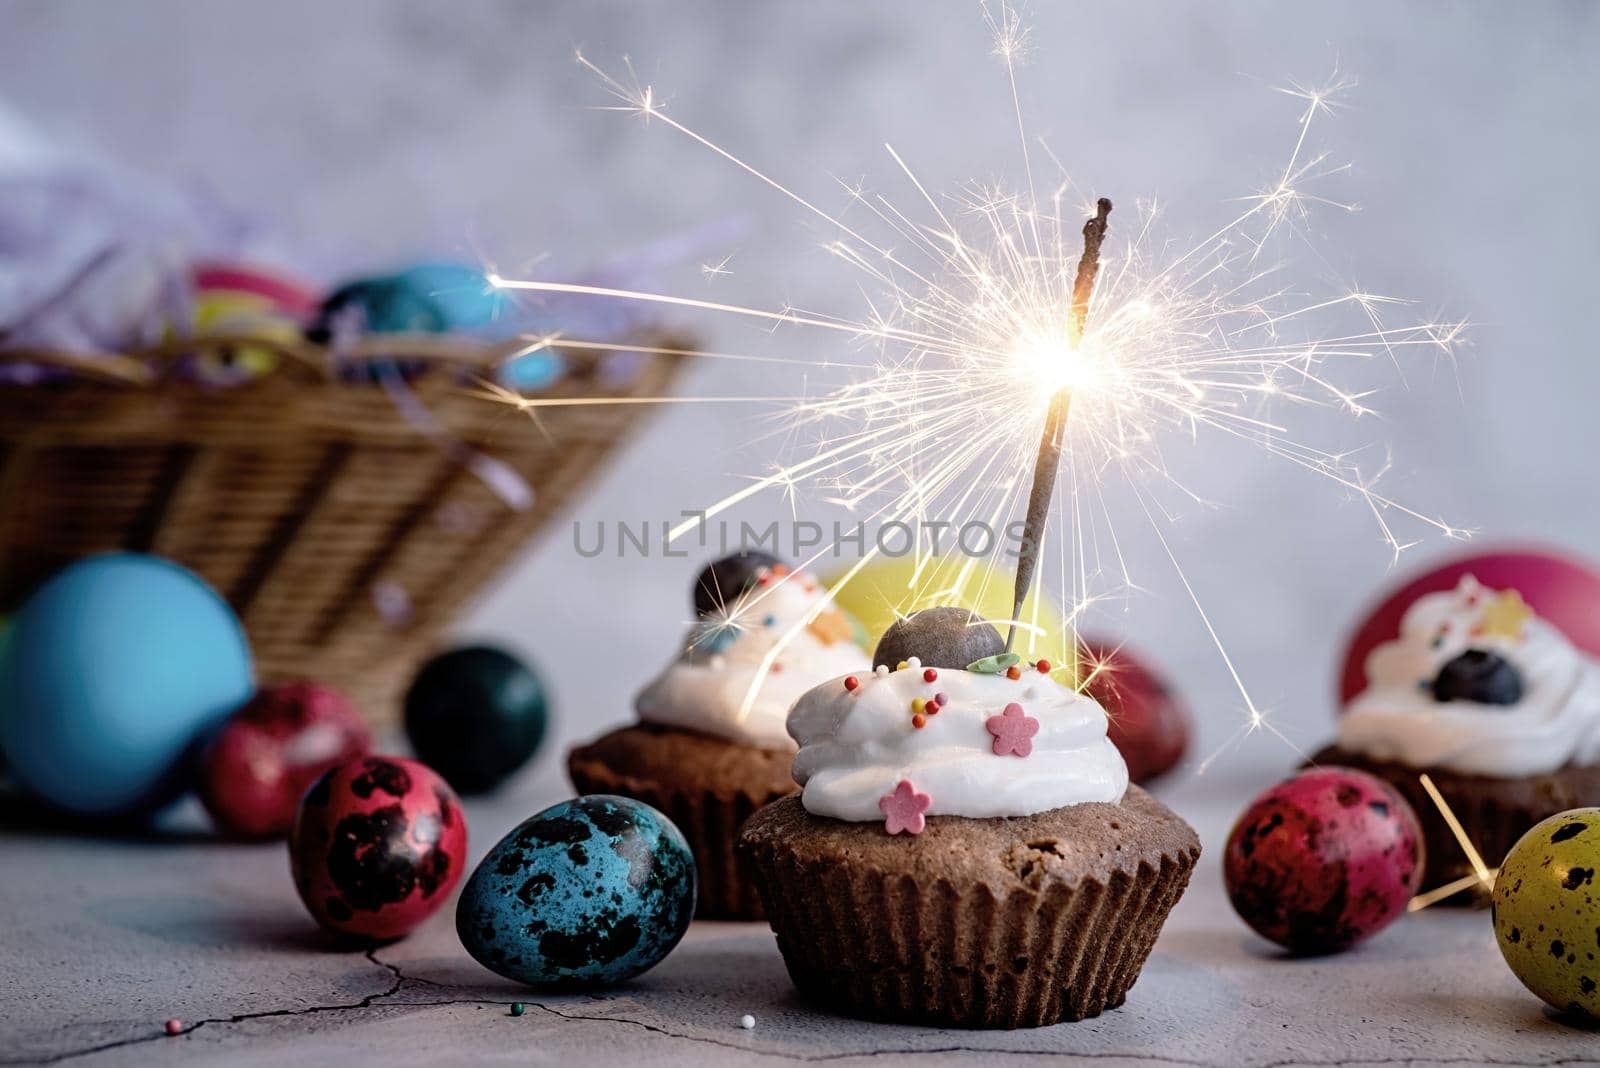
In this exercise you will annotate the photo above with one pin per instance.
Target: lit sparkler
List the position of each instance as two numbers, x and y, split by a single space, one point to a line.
982 331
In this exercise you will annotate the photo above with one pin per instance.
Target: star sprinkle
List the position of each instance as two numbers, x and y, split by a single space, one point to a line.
903 807
831 626
1505 614
1013 731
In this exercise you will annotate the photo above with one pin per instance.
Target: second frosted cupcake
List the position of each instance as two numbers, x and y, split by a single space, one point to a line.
710 746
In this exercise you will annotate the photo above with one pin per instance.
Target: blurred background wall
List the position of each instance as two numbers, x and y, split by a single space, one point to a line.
382 131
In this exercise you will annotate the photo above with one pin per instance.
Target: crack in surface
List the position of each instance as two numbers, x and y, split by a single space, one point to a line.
401 980
365 1003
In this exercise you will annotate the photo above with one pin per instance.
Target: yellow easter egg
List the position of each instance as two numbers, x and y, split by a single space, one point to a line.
1547 911
887 588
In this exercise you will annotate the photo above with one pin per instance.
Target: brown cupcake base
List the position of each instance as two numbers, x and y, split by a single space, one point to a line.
707 786
1017 922
1493 812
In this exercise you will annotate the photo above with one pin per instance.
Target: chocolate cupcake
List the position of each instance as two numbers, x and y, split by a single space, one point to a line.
1495 706
967 851
710 747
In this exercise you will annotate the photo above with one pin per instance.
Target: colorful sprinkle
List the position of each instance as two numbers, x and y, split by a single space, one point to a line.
518 1008
1013 731
747 1022
919 721
903 808
771 621
852 683
1043 667
902 665
930 675
918 704
881 670
941 699
174 1026
776 667
1013 672
717 637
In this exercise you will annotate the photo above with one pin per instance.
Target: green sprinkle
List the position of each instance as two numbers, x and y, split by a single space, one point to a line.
518 1008
993 665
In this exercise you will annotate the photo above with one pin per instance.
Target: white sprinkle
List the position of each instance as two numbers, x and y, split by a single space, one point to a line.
881 670
747 1022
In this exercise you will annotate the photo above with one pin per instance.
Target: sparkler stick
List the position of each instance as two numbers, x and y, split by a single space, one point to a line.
1048 460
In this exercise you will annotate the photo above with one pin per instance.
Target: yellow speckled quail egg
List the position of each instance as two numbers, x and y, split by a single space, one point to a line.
1547 911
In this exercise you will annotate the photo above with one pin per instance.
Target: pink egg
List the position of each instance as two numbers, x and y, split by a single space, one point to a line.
290 295
377 846
1323 860
1557 587
259 765
1149 724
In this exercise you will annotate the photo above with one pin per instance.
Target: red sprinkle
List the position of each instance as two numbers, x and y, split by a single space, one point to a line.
929 675
1013 672
776 667
174 1026
1043 666
919 720
852 683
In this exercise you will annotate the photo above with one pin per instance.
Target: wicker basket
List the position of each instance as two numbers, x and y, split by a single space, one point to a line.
344 536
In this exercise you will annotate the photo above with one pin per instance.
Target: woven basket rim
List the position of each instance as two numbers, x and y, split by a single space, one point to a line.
152 365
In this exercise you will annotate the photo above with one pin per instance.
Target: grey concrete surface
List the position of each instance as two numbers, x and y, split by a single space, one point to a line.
104 940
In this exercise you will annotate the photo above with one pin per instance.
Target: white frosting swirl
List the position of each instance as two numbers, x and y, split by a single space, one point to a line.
1557 721
707 687
856 746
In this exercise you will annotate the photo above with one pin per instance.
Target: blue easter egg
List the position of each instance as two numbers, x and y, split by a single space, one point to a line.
463 295
109 674
587 893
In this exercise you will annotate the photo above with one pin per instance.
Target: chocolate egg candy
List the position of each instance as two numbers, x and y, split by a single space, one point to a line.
475 715
587 893
1323 860
944 637
1146 720
259 765
1547 911
377 846
1478 675
723 581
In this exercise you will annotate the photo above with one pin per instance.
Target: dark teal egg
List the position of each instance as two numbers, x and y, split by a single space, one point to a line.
587 893
475 715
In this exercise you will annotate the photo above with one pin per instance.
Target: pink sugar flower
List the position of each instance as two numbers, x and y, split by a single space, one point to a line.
1013 731
903 807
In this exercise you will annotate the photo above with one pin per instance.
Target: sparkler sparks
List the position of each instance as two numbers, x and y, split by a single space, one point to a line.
971 317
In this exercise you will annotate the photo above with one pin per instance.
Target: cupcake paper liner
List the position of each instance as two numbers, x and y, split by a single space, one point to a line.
1493 812
904 946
